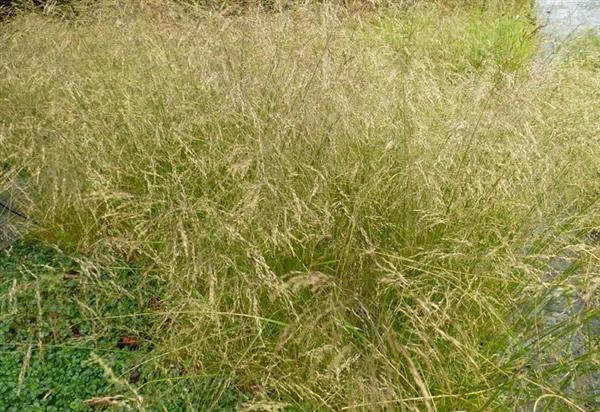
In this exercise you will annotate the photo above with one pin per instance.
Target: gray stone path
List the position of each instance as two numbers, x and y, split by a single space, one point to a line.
563 19
562 300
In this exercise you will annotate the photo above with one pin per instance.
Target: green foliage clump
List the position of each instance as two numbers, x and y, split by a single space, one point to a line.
47 338
472 41
60 379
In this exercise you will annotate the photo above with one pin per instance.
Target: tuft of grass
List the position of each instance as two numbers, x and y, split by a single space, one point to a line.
336 210
475 40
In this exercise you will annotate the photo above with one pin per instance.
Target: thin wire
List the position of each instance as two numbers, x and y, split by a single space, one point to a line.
5 206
